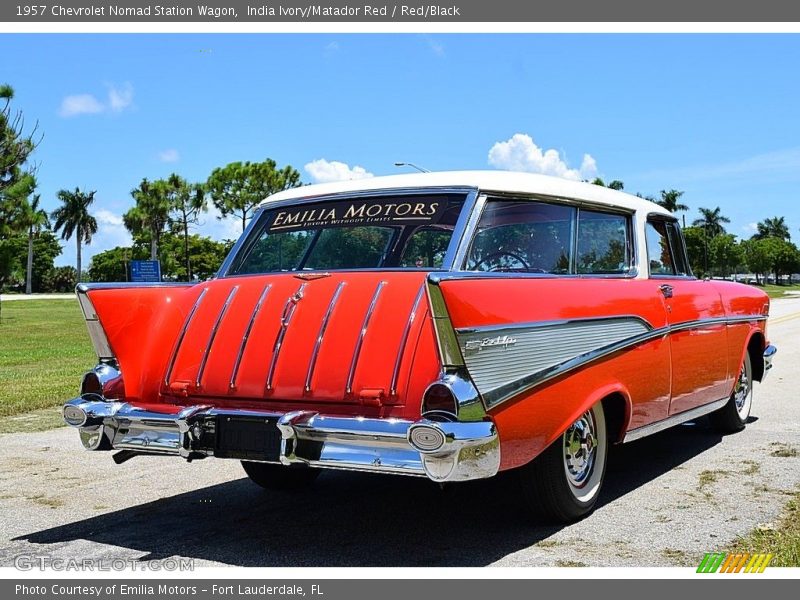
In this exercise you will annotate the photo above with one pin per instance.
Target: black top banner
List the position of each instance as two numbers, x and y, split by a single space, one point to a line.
380 11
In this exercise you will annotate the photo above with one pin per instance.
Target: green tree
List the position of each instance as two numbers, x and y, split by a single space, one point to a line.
16 182
711 220
238 188
725 254
150 215
616 184
757 257
206 256
73 218
35 219
670 199
696 249
112 265
187 201
775 227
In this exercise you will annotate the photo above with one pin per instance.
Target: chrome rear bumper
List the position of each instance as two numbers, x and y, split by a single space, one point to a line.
442 451
769 354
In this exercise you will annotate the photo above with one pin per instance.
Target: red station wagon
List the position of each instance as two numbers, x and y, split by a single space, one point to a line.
442 325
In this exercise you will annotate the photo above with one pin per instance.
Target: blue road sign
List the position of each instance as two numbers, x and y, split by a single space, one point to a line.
145 270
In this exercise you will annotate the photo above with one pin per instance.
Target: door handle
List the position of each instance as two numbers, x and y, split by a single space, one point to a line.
666 289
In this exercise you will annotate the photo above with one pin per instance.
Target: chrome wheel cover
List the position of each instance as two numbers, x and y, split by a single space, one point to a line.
741 392
580 449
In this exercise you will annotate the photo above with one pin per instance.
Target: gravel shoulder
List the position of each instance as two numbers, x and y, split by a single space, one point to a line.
668 499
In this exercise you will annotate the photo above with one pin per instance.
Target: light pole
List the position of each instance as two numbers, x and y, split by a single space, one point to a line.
410 164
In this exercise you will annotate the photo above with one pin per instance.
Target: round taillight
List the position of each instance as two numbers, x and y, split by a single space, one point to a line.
439 398
426 439
74 415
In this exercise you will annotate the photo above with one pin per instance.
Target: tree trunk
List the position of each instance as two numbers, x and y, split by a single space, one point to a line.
78 240
186 250
153 248
29 271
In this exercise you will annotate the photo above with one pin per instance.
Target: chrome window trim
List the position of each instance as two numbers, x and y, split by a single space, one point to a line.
312 363
248 238
404 341
212 336
246 336
176 348
359 343
486 196
83 288
286 317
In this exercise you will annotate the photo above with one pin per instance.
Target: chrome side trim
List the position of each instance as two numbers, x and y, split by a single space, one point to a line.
181 335
87 287
404 340
97 333
449 351
286 317
551 323
694 413
322 327
246 336
213 335
360 342
524 384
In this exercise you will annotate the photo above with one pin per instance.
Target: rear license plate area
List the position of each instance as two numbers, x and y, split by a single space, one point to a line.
247 438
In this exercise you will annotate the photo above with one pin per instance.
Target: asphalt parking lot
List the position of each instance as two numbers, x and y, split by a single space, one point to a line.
667 500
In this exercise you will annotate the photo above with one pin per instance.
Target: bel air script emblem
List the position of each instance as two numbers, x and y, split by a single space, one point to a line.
503 341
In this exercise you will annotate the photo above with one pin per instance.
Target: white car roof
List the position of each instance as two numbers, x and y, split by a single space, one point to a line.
486 181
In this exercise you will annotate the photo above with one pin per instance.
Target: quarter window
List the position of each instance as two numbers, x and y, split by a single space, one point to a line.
665 248
603 243
539 237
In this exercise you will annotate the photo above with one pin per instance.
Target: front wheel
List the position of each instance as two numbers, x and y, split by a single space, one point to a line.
733 416
563 483
279 477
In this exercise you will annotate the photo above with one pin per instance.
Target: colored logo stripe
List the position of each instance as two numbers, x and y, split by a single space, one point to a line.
721 562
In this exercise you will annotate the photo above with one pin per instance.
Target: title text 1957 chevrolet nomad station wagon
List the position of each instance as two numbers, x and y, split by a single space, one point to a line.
447 325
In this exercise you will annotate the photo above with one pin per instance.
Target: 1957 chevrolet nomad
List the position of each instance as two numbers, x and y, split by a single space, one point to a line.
448 325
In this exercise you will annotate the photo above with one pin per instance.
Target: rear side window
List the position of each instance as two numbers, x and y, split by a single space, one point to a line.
666 254
603 243
557 239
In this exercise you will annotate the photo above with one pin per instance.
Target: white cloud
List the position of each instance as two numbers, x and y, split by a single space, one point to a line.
80 104
119 98
111 233
520 153
750 227
324 171
435 46
169 155
217 227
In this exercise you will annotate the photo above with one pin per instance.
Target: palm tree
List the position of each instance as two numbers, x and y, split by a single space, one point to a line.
73 218
36 219
772 228
711 221
151 214
670 201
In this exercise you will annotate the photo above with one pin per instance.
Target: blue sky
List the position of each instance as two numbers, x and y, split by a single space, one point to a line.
713 115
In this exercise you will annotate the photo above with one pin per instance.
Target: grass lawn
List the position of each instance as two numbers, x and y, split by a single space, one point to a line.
781 539
779 291
44 350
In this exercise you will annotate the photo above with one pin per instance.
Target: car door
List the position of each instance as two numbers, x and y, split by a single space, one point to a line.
696 320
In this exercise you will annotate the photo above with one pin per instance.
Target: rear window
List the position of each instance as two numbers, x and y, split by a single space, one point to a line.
400 232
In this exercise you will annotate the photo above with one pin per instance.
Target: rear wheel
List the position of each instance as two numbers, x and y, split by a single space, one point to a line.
279 477
563 483
733 416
